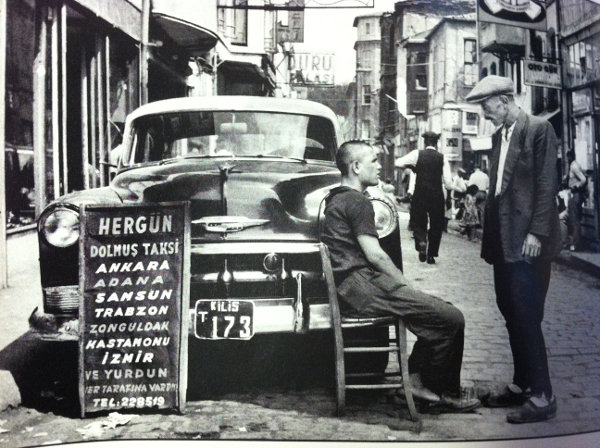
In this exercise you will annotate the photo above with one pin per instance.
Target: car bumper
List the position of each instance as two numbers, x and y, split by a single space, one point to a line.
270 316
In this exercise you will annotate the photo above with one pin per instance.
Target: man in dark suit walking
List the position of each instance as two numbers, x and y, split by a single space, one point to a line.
427 202
521 235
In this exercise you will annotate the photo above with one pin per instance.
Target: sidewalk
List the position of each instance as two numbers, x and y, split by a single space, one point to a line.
24 291
588 262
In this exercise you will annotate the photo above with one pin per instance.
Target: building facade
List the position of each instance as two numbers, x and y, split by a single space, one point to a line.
368 52
577 26
452 73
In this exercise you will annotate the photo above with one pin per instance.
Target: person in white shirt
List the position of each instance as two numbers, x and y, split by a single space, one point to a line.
480 179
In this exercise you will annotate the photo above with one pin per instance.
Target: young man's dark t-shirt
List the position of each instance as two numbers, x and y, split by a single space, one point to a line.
348 214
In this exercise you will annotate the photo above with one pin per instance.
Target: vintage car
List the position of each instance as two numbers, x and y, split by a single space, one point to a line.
255 171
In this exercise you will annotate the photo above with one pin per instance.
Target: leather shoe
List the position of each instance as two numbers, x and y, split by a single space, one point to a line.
420 391
422 251
529 412
430 260
505 398
455 405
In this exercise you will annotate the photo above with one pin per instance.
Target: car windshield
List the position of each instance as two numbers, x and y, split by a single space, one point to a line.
215 134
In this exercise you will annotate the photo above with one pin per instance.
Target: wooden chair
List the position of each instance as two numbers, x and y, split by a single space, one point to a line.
397 344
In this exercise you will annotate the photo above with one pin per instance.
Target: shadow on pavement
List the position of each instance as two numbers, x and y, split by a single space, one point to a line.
45 373
286 372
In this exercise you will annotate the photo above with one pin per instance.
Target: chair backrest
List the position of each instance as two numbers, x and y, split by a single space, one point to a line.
336 319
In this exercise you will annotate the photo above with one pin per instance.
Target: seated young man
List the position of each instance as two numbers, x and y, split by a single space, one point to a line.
369 284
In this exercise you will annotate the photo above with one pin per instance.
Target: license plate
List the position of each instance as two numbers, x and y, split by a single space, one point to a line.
224 319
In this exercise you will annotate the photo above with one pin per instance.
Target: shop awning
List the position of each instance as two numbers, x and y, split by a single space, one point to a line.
246 65
194 38
508 51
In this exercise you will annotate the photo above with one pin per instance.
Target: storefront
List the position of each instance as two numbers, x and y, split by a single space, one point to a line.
580 47
584 113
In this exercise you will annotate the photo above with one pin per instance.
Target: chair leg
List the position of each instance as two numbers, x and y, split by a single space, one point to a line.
340 370
403 361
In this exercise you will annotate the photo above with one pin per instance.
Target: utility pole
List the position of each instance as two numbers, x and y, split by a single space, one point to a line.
3 257
144 51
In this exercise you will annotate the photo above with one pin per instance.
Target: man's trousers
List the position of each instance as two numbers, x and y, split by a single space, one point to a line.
520 294
438 325
424 208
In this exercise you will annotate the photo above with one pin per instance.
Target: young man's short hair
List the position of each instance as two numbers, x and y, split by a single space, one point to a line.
344 156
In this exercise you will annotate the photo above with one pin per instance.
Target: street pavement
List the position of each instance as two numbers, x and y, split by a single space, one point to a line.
571 329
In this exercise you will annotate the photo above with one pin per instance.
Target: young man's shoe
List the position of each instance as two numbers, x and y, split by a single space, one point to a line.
420 391
449 404
511 395
535 409
430 260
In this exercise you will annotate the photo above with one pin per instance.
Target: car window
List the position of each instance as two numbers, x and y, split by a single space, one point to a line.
212 134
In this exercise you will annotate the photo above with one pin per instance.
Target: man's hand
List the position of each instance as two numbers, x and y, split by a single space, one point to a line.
532 247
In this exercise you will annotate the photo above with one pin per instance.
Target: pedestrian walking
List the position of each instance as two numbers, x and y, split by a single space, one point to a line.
432 169
578 185
521 234
369 284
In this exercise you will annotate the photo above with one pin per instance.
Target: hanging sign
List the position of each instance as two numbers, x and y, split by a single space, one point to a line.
134 264
542 74
521 13
312 69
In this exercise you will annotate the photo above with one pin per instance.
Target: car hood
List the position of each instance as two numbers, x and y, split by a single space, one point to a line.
282 196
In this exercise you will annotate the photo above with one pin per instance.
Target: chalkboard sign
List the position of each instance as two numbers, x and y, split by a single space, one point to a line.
134 278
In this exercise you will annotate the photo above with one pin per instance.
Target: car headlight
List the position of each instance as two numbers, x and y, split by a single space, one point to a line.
60 227
385 217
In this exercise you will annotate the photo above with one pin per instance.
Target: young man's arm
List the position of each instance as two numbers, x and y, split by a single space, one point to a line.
380 260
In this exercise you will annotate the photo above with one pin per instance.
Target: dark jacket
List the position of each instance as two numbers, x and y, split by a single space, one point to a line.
526 203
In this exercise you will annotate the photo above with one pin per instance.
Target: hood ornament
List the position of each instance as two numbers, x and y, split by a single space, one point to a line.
228 224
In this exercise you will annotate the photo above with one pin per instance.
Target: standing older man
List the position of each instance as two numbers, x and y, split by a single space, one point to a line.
521 234
427 203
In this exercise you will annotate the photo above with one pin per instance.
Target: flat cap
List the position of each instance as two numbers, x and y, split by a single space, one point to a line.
430 135
489 86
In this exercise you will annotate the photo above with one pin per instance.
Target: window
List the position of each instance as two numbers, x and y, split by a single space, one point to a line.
418 69
217 133
233 22
470 62
366 95
367 28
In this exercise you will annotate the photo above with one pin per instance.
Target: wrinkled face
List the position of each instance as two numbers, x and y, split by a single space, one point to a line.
495 110
367 166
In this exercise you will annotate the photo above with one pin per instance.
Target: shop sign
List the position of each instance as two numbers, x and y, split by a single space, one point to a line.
541 74
520 13
451 120
470 122
452 145
312 69
134 263
581 101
